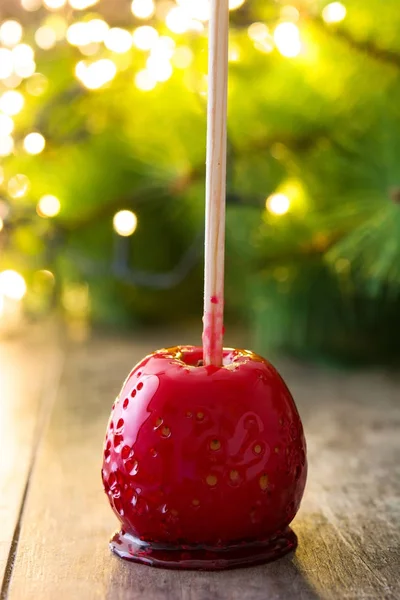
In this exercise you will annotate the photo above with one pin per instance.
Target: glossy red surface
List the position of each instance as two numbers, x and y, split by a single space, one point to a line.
204 456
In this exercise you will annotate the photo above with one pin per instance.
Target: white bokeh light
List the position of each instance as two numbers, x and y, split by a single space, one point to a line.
125 223
12 285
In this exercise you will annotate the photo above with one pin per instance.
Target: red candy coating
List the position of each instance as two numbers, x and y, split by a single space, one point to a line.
208 456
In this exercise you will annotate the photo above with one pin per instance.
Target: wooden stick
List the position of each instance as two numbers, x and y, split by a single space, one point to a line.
215 184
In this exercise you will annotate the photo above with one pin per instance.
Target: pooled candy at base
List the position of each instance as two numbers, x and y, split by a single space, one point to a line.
204 466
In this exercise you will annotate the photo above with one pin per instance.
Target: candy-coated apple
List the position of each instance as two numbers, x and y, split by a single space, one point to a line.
205 467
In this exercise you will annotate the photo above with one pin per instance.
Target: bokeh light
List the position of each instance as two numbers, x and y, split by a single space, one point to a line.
1 224
143 9
196 9
182 57
18 186
78 34
45 37
160 68
334 12
287 39
31 5
125 222
145 37
97 30
34 143
96 74
12 81
234 4
118 40
37 84
58 24
82 4
48 206
23 59
6 63
144 81
178 21
6 145
10 33
6 125
11 102
289 13
54 4
12 285
258 32
277 204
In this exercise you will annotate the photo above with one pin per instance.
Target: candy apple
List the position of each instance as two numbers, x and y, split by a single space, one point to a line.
204 466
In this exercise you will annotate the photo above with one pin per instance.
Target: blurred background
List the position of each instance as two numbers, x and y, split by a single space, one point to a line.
102 167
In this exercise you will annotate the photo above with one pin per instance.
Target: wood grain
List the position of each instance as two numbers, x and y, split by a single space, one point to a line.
26 371
347 526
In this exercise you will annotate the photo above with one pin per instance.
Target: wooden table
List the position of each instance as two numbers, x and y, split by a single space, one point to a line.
55 520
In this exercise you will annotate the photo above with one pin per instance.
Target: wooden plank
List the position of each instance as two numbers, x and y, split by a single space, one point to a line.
347 526
27 366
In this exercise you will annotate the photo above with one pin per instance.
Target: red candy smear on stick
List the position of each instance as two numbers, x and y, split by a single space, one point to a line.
215 184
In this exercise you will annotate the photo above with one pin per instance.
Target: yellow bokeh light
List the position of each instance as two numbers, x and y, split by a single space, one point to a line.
182 57
178 21
144 37
6 63
6 145
6 125
10 33
48 206
96 74
59 25
289 13
45 37
12 285
45 275
18 186
160 68
23 59
277 204
1 224
144 81
54 4
89 49
118 40
82 4
258 32
234 52
31 5
97 30
23 54
196 9
265 46
287 39
11 102
34 143
143 9
37 84
334 12
78 34
26 70
13 81
164 48
234 4
125 222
